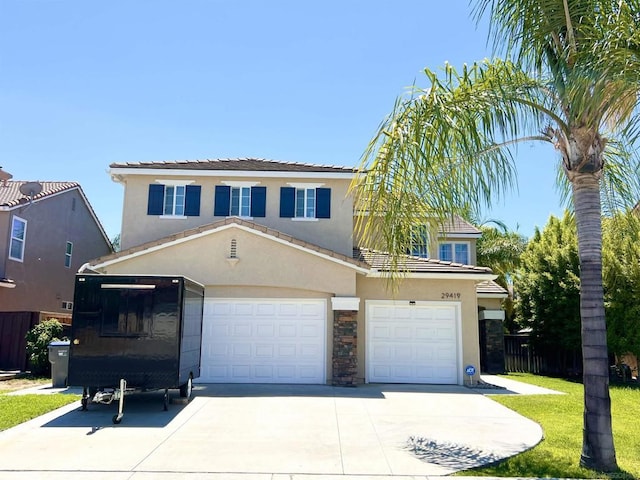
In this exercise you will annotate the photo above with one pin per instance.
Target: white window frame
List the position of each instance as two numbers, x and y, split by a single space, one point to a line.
174 184
68 254
309 211
13 239
243 207
453 251
240 187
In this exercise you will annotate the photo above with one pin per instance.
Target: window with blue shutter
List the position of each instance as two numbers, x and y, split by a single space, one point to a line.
174 200
259 202
222 201
192 201
287 202
323 203
305 202
155 204
240 201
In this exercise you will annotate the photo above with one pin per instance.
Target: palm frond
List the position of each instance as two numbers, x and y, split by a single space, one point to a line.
446 150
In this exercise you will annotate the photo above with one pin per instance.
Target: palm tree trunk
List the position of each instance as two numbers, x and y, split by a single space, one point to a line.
598 451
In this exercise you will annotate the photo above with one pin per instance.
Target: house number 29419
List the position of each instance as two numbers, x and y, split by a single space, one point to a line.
450 295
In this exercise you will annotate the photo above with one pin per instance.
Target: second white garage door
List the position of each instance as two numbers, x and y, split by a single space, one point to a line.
412 343
264 341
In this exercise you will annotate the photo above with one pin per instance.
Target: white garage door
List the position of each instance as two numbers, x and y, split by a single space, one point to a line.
415 343
264 341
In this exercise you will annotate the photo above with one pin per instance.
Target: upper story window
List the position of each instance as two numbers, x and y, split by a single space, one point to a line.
240 199
457 252
174 199
420 241
18 239
305 201
67 255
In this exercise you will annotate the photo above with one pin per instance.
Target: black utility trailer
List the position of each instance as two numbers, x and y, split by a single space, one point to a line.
133 333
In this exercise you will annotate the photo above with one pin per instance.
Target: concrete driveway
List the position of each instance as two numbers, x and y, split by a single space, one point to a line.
255 431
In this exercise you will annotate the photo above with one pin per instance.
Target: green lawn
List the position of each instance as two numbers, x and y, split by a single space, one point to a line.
560 416
15 409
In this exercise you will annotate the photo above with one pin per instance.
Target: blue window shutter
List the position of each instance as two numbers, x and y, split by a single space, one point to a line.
156 199
258 201
323 203
287 202
222 201
192 201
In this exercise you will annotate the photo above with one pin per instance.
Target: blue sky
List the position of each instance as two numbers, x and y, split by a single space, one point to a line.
85 84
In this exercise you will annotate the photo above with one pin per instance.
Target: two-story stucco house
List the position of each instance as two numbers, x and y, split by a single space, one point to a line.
48 230
289 298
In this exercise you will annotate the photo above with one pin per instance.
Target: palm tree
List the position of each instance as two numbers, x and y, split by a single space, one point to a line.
570 76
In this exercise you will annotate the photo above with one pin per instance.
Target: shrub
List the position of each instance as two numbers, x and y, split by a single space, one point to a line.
38 339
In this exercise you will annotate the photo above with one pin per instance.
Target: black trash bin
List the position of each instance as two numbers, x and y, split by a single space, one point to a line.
59 359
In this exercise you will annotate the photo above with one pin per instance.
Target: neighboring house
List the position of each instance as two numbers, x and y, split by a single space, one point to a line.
289 298
48 230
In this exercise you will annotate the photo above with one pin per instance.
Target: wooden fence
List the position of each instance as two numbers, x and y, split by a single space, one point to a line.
521 356
13 346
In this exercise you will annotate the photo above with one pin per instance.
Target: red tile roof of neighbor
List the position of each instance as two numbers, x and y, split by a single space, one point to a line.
239 164
10 195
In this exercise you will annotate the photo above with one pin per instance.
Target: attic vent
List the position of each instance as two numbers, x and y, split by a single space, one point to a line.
232 259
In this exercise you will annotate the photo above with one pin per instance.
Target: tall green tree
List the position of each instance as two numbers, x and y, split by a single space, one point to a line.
569 76
621 272
548 285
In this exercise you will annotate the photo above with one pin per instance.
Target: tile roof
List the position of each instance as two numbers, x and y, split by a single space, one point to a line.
460 226
239 164
380 261
489 287
10 195
185 234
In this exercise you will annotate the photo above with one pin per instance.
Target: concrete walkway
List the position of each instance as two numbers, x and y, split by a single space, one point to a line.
272 432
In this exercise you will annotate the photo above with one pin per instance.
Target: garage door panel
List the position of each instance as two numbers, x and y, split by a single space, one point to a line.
288 330
412 344
264 341
287 351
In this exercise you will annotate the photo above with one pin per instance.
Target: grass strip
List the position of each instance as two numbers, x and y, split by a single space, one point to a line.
16 409
558 454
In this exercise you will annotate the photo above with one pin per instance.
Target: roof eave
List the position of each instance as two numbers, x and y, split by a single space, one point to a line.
118 173
478 277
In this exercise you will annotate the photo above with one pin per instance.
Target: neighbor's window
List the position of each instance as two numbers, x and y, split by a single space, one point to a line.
174 200
305 203
67 255
457 252
18 237
240 201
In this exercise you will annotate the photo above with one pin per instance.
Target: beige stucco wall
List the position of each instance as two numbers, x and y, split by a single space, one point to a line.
334 233
42 280
423 290
261 263
490 303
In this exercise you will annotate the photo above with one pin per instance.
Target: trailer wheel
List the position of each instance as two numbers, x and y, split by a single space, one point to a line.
185 390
